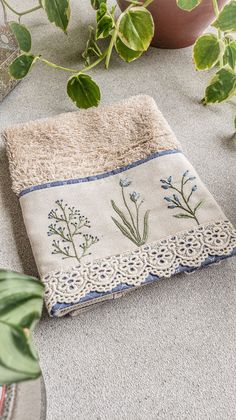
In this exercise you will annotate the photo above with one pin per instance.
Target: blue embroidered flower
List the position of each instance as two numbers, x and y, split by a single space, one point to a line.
176 198
134 196
183 200
125 182
186 173
129 221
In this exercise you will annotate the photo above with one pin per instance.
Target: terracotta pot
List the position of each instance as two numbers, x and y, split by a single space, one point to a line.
175 28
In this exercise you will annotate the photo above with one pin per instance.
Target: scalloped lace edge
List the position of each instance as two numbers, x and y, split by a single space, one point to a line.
188 250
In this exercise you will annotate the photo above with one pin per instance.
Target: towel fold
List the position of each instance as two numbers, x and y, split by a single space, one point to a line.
111 203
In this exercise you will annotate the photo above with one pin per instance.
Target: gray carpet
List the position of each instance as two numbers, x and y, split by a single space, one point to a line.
167 351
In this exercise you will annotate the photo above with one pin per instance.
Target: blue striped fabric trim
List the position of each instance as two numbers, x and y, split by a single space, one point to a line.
99 176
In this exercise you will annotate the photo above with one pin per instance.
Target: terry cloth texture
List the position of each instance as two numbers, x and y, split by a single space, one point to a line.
84 143
110 203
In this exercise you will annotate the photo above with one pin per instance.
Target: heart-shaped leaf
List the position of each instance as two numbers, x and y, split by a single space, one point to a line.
22 35
226 21
206 51
58 12
104 26
17 362
136 28
21 66
230 54
97 3
20 298
102 10
20 309
83 91
221 87
188 5
126 53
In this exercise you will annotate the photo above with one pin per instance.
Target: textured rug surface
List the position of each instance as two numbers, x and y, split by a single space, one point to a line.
170 350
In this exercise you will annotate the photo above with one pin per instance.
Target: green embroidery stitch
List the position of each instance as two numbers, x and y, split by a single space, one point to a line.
130 223
182 201
68 225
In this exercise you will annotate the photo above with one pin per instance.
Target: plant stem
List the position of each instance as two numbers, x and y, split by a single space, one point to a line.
147 2
114 36
130 214
217 12
137 221
111 45
188 210
95 63
69 231
55 66
67 69
215 7
4 12
33 9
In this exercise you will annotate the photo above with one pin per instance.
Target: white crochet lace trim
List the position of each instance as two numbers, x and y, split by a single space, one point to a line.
161 258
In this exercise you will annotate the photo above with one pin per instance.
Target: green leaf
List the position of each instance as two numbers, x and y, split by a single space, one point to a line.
136 28
101 11
230 54
226 21
83 91
22 35
92 49
188 5
198 206
183 216
123 218
97 3
126 53
21 66
235 123
104 26
17 363
58 12
146 227
124 230
221 87
206 51
20 308
20 298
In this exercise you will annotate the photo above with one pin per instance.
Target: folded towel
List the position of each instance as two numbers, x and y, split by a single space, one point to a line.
111 203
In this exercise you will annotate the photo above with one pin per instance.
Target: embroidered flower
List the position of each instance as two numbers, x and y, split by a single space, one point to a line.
69 228
134 196
129 219
181 199
125 182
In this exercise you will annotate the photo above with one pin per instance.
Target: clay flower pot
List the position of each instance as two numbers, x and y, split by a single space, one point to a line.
176 28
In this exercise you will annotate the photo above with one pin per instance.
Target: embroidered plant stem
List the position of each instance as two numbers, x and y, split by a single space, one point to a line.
182 200
130 226
69 223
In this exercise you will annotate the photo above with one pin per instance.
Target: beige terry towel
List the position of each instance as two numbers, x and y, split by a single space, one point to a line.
111 203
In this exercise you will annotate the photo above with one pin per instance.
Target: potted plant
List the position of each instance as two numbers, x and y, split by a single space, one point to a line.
174 28
217 49
21 300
